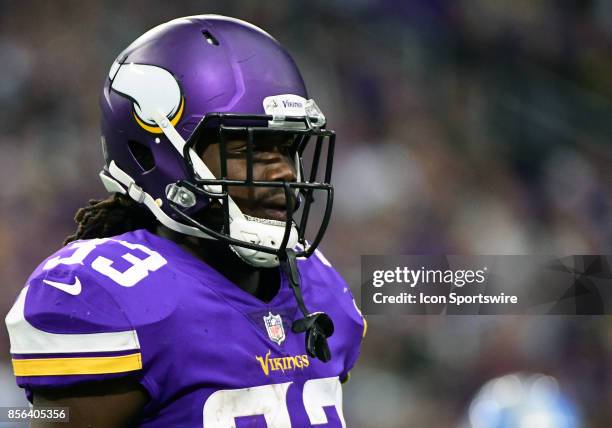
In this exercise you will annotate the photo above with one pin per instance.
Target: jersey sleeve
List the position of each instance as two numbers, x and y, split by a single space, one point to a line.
350 325
357 325
59 339
73 324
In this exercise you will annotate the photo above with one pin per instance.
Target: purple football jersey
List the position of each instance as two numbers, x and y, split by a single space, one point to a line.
208 353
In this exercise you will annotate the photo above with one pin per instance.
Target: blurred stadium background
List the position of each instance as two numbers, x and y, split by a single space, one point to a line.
465 126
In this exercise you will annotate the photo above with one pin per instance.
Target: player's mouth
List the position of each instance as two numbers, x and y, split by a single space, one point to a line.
275 214
275 208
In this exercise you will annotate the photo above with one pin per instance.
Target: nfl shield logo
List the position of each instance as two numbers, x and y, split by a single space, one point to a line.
274 327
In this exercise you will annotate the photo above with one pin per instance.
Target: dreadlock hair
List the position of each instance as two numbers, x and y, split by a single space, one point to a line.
109 217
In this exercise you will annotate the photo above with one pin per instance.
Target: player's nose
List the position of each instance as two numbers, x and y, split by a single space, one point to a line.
280 168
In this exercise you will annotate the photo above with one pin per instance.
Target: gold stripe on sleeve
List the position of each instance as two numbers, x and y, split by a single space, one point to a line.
365 328
77 365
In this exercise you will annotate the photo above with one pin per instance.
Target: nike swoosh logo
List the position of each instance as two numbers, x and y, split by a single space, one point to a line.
74 289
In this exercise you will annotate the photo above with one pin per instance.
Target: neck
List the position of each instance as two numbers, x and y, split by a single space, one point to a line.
261 283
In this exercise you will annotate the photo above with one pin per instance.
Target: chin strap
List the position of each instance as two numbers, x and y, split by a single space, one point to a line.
318 326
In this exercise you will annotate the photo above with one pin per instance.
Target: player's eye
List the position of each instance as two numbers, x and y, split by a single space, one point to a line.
234 148
239 148
284 144
261 145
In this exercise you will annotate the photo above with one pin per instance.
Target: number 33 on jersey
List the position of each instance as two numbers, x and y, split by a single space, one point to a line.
208 353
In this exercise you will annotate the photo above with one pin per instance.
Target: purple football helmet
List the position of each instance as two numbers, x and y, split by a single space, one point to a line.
211 75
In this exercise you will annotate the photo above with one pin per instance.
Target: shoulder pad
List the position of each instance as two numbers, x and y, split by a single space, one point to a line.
80 311
321 274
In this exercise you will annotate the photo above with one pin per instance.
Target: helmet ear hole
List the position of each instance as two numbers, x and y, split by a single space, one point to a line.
142 154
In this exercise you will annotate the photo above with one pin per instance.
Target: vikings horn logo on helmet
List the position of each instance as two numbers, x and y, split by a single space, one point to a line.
135 82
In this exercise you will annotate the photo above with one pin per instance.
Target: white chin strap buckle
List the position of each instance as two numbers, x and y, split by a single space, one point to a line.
136 193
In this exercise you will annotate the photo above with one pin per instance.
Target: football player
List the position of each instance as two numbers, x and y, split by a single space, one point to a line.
522 400
193 296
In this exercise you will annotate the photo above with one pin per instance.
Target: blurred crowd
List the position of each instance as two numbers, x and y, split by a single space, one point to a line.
464 127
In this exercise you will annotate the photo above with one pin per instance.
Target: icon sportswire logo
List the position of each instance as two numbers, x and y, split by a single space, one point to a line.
74 288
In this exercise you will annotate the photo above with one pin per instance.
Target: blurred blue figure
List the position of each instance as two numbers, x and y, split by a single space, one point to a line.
522 400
